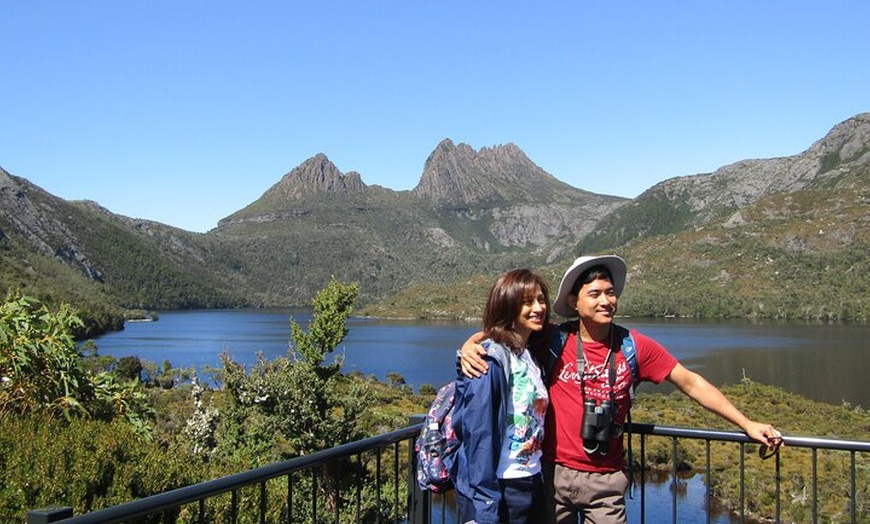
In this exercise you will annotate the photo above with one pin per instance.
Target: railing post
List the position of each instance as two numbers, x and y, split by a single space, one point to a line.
419 503
50 514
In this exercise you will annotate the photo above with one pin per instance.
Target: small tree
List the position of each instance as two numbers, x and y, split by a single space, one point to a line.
298 404
129 368
395 380
428 390
332 307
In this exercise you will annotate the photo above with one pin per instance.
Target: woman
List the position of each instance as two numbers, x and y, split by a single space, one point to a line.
500 416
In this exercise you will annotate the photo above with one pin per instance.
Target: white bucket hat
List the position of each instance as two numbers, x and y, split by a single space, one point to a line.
613 263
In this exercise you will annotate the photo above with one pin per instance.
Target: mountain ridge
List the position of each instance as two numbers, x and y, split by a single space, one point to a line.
694 201
454 175
473 213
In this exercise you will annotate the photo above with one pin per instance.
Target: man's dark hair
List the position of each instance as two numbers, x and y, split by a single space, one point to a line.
591 275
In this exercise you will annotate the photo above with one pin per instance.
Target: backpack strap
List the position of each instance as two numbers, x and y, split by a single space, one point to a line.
503 358
629 351
557 345
500 354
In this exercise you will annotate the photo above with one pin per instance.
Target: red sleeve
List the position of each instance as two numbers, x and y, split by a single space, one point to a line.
655 363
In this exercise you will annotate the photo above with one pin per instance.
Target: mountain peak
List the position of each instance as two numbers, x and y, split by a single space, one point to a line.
456 173
317 175
313 177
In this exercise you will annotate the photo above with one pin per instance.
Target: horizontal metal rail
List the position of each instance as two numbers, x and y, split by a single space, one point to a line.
736 436
198 492
423 506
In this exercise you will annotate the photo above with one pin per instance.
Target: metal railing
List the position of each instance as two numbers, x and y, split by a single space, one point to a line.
814 444
169 505
396 493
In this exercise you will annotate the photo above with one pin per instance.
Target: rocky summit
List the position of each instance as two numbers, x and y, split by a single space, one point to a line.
459 175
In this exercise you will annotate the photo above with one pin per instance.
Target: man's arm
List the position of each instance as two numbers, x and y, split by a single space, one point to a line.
470 356
707 395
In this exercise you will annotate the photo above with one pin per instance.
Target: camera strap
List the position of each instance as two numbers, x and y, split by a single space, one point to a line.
609 362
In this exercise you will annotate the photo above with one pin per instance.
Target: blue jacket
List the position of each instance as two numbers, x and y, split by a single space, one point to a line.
480 423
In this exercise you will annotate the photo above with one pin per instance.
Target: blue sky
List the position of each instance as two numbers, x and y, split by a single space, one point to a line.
186 111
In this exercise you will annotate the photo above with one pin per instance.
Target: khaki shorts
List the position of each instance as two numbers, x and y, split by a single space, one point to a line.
598 497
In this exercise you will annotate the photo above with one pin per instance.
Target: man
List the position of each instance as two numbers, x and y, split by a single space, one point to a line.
584 467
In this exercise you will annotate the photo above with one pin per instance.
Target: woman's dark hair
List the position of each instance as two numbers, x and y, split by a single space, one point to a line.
591 275
504 304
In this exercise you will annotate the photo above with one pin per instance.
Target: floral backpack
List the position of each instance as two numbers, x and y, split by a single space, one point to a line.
437 444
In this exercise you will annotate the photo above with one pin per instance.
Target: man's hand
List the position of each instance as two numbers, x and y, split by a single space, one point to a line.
470 360
764 433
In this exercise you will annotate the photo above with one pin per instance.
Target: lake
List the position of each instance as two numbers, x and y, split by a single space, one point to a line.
820 361
826 362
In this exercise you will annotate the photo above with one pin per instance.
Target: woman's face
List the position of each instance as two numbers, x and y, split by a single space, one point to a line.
533 313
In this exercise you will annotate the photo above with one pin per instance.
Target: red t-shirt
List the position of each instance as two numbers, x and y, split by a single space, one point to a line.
562 442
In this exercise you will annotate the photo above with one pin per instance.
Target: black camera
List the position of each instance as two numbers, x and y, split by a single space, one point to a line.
598 426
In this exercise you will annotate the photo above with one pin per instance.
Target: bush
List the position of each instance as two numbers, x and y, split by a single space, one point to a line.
129 368
292 405
40 367
82 463
42 371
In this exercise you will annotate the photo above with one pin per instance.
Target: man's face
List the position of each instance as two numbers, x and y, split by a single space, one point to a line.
595 302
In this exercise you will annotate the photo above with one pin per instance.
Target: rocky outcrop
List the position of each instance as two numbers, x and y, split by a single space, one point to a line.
315 176
845 147
37 218
458 174
691 202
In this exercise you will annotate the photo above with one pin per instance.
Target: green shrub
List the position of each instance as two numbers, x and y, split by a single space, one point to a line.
42 370
82 463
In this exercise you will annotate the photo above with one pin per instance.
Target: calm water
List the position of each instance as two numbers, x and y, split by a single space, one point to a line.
824 362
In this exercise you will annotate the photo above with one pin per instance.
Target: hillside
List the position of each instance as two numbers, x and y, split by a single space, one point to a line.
780 238
783 237
833 163
82 253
